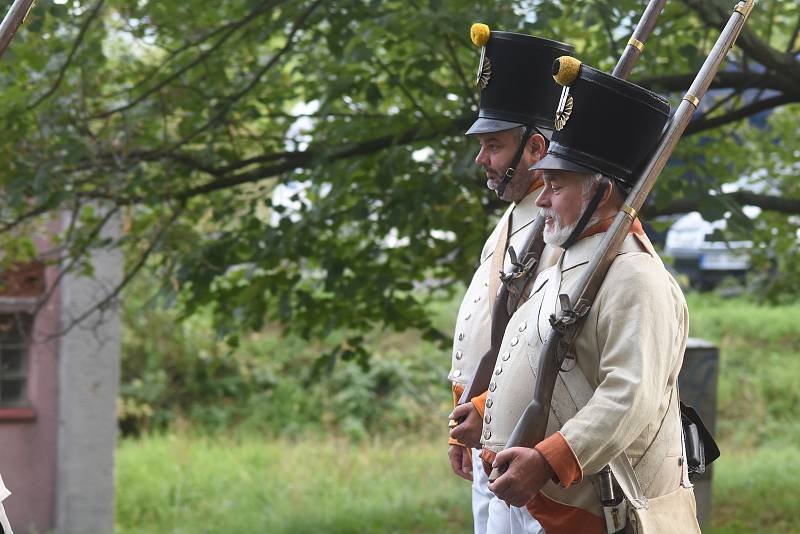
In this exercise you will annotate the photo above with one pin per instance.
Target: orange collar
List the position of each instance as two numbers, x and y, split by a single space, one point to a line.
605 224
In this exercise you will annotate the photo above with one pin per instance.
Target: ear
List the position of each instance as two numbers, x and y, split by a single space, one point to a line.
537 146
608 195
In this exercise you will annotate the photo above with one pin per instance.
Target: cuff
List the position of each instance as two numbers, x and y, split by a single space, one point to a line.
557 452
480 403
458 389
488 455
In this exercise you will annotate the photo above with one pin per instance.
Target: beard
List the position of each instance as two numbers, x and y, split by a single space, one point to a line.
516 188
559 232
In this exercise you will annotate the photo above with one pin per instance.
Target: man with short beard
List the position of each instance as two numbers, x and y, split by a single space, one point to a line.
629 350
515 121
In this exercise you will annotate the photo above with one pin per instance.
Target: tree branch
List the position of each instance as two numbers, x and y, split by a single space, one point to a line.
64 270
130 275
81 34
723 80
230 29
793 38
777 62
235 97
778 204
703 124
299 159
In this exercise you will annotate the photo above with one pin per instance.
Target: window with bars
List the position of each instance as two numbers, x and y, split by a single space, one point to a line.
15 329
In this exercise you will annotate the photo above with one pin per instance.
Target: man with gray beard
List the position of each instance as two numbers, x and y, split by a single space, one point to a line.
616 395
514 124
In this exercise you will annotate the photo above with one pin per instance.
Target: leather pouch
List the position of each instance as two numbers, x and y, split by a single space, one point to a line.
701 449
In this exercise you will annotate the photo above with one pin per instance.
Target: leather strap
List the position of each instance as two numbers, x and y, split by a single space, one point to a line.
498 259
512 167
602 185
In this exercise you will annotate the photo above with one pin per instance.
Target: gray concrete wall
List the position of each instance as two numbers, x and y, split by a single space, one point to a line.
88 383
698 389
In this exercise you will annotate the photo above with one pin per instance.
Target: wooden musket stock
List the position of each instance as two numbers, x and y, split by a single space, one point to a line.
531 427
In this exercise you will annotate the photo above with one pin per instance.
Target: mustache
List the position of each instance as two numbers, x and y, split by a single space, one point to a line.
491 173
549 212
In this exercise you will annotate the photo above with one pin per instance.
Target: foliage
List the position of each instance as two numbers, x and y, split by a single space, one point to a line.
303 162
175 371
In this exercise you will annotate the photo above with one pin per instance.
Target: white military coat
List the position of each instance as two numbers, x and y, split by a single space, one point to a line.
473 324
630 349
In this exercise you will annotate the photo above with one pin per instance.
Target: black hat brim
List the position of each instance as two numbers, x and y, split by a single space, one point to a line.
554 163
484 126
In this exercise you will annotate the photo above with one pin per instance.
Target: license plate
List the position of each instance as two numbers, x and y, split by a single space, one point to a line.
723 262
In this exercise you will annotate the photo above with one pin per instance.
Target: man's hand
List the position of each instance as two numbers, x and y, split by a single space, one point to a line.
468 432
461 461
527 471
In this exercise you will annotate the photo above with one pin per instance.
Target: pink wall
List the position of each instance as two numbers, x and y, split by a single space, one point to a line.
28 447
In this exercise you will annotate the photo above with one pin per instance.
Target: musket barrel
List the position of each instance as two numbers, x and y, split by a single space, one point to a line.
12 21
669 140
641 34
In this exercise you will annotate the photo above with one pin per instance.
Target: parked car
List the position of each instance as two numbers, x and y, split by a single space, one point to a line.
702 254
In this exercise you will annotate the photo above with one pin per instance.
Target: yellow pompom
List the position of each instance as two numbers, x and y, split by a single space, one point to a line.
479 33
565 70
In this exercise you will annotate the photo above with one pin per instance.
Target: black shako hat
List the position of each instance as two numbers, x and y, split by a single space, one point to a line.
603 124
513 74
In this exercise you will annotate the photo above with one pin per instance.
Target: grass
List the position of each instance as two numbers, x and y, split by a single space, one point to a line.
755 491
183 483
758 412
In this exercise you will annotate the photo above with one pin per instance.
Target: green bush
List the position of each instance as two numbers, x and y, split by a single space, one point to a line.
176 371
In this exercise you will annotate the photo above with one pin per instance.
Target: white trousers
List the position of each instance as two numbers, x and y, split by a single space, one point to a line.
491 515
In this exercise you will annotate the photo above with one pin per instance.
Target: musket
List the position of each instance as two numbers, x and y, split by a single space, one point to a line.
512 289
532 425
11 22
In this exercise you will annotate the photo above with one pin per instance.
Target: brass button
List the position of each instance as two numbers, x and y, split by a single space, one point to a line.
514 341
487 434
492 386
459 355
457 372
487 419
461 336
506 356
498 370
467 316
523 326
489 403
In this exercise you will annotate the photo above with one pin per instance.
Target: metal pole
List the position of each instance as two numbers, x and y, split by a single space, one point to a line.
12 21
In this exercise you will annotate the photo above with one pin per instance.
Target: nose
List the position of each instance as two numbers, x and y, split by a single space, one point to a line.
543 200
482 158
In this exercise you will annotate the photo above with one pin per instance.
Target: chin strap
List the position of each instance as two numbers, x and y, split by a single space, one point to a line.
512 168
602 186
